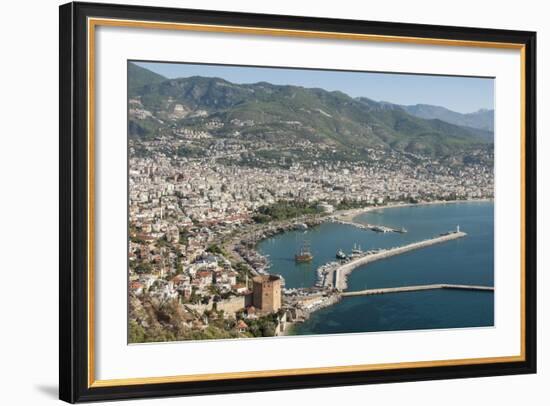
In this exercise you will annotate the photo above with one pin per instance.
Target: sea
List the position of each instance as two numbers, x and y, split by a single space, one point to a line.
468 260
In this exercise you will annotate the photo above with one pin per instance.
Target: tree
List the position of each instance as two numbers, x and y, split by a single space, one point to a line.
215 249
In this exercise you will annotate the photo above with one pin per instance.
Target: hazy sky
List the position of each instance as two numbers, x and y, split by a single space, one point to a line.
462 94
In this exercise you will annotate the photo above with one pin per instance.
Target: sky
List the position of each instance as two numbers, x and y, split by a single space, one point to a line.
460 94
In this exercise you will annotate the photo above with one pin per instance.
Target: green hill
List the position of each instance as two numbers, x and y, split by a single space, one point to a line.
139 77
286 115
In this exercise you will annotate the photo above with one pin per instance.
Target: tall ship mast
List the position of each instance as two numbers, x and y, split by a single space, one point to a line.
304 255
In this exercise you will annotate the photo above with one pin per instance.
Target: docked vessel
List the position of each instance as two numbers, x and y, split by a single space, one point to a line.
356 250
304 255
341 254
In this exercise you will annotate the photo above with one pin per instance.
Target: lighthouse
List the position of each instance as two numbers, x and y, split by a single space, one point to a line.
457 228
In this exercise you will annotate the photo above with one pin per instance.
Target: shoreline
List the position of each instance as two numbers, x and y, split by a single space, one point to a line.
351 214
290 329
304 308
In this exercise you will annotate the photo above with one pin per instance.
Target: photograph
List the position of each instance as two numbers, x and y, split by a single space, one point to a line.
276 201
256 202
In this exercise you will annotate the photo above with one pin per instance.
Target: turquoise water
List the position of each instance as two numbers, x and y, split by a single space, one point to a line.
464 261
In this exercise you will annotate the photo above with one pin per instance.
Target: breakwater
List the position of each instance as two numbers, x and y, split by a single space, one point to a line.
380 291
372 227
334 275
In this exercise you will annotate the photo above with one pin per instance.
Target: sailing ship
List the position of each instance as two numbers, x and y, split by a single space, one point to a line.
304 255
356 250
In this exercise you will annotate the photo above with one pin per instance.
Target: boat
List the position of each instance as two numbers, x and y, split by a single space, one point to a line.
304 255
356 250
341 254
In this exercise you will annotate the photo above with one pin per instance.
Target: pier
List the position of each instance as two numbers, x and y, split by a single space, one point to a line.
381 291
335 275
372 227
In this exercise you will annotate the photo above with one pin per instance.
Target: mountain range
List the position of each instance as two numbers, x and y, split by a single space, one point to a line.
483 119
287 115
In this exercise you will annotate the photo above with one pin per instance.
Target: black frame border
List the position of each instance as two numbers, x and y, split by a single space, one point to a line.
73 202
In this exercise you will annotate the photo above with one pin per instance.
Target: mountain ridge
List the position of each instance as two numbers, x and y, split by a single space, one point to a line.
286 114
482 119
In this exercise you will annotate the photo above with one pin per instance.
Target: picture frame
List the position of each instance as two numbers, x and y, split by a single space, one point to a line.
79 23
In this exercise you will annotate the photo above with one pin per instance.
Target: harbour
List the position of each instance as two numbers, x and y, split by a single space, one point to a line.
431 267
334 275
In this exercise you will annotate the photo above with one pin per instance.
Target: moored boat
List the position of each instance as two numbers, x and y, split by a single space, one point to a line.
304 255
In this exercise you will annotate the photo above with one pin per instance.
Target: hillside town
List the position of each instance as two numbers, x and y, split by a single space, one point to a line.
194 223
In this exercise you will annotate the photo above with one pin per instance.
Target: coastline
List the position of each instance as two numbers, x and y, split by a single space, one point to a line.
290 329
351 214
305 308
